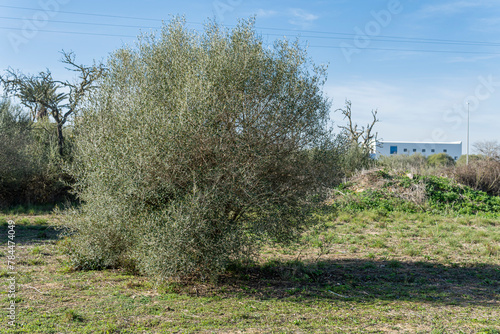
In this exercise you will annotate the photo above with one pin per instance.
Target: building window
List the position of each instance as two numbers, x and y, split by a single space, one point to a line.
423 150
433 150
414 150
393 149
405 150
445 150
456 158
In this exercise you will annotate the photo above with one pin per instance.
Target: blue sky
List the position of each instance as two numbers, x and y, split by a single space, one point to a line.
417 62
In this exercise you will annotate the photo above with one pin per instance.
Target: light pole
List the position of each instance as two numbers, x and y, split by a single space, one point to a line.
468 117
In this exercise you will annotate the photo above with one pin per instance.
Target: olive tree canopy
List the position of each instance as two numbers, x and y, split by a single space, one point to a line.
194 145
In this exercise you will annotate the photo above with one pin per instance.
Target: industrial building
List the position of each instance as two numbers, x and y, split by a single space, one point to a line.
386 148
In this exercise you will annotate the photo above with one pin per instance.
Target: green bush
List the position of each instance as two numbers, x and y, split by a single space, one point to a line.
30 168
353 157
403 162
472 157
16 167
440 160
195 145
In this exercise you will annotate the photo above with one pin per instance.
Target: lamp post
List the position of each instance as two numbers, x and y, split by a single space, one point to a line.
468 118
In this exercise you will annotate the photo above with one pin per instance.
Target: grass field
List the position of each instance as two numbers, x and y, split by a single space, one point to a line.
363 272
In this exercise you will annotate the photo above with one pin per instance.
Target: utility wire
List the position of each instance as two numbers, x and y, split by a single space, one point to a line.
374 38
404 50
377 39
312 46
87 14
406 39
332 35
88 23
72 32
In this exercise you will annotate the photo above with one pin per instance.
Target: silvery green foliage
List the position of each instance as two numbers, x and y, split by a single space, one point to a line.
194 146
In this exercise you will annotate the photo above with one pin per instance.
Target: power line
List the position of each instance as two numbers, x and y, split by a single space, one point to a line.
374 38
382 36
406 39
87 23
72 32
87 14
405 50
349 36
312 46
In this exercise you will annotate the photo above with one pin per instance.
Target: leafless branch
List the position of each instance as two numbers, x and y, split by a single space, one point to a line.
363 136
42 95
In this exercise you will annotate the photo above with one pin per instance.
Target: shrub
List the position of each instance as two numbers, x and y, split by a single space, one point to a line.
403 162
482 174
354 158
30 168
15 163
472 157
440 160
193 147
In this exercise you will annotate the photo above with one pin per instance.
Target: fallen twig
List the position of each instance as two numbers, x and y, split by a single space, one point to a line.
336 294
32 287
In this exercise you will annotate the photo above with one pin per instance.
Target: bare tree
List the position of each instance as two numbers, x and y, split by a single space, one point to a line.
362 136
44 96
489 148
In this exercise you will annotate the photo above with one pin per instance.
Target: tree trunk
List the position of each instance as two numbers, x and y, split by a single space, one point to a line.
60 138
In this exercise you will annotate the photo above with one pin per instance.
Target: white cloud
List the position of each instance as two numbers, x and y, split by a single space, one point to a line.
262 13
301 18
453 7
295 16
472 59
407 111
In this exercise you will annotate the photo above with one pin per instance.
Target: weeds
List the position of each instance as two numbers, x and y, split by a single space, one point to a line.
382 192
72 315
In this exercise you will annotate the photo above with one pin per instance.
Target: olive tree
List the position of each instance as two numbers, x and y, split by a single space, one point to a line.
194 145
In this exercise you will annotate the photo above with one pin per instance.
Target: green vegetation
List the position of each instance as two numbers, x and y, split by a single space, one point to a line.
472 158
30 168
392 252
364 272
440 159
208 196
228 144
384 191
482 173
46 97
403 162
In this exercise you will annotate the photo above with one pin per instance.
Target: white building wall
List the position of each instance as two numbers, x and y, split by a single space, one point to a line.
386 148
